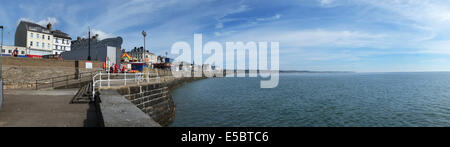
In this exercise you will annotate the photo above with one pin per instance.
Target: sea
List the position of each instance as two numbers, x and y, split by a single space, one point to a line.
409 99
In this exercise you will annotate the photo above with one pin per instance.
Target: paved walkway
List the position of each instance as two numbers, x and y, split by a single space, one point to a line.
30 108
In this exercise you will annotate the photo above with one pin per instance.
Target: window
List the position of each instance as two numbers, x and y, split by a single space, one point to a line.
3 50
43 45
43 36
9 51
55 47
48 37
23 52
37 44
37 35
56 40
31 35
48 45
31 43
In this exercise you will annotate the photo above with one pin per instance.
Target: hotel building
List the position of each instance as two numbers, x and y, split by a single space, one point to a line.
37 39
41 40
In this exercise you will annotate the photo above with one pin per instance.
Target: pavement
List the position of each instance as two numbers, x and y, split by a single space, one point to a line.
38 108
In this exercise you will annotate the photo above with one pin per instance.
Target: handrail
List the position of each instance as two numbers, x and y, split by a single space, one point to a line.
138 78
64 78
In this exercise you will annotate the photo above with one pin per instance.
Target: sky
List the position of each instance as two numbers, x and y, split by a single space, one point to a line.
321 35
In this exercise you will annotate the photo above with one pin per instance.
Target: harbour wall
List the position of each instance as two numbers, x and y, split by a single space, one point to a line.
152 99
22 73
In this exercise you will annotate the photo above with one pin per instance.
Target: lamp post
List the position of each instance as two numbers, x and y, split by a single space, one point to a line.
143 51
1 27
1 79
89 45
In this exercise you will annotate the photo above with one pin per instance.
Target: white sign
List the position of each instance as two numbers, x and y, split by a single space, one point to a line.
88 65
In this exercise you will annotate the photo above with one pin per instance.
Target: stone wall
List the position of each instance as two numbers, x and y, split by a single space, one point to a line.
22 73
155 100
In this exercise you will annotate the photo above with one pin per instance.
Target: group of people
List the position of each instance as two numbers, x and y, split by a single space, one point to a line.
116 68
15 53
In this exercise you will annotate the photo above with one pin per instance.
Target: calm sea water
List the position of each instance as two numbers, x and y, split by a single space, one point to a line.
304 100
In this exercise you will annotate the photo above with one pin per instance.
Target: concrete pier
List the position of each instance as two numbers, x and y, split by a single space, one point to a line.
32 108
117 111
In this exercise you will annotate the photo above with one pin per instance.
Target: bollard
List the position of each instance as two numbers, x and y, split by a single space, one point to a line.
109 82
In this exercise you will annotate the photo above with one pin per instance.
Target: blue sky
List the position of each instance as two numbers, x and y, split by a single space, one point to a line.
342 35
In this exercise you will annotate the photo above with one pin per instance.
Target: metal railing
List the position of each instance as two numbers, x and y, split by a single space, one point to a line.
64 80
119 79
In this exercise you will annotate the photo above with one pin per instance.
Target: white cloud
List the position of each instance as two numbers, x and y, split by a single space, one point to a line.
42 22
102 35
219 25
325 2
277 16
424 13
319 38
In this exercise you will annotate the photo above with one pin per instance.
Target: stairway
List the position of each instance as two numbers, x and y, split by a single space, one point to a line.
83 95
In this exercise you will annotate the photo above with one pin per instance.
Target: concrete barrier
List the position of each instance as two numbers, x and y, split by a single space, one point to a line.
116 111
140 105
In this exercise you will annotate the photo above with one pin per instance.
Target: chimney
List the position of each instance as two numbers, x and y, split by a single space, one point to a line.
78 38
49 26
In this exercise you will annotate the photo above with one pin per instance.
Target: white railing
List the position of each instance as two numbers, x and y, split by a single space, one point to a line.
120 79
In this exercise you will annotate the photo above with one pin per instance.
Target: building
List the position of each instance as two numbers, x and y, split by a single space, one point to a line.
151 58
100 49
8 50
38 39
136 53
61 42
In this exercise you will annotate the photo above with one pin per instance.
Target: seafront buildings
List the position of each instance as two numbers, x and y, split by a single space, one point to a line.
39 40
8 50
136 53
35 41
61 42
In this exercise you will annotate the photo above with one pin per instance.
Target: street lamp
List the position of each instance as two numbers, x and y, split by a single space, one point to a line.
89 45
1 27
1 79
143 51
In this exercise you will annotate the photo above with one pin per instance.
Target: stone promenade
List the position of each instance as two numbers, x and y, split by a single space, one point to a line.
32 108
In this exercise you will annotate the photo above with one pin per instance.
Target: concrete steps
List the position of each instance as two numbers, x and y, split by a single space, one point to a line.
83 95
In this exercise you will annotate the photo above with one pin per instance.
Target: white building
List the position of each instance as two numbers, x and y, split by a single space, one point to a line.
38 39
41 40
61 42
136 53
8 50
151 58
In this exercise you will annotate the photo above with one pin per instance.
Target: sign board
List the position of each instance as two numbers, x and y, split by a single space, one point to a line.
88 65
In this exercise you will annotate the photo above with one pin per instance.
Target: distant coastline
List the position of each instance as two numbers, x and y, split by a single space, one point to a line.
307 71
291 71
